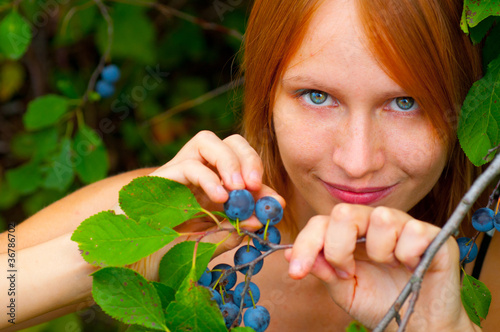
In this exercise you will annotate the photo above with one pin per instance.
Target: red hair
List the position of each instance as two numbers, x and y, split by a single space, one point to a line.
420 46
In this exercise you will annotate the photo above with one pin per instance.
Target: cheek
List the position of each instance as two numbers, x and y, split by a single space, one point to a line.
421 155
300 147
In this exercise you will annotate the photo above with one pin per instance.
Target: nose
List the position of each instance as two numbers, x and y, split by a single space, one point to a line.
359 147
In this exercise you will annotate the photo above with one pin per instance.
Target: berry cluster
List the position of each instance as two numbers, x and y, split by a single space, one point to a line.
483 220
105 87
240 206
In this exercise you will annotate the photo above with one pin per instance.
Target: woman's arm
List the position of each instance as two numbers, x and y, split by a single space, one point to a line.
45 255
49 277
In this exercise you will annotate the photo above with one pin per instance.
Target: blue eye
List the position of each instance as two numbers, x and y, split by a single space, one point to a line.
405 104
316 97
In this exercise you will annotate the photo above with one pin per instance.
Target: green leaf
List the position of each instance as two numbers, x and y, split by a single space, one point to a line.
177 263
110 239
126 296
45 111
137 328
60 172
92 158
165 202
67 88
242 329
193 310
491 48
12 76
476 299
355 326
131 41
166 294
479 31
8 197
36 145
478 126
15 35
476 11
26 178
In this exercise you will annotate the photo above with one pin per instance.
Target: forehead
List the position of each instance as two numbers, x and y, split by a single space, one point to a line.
335 22
334 49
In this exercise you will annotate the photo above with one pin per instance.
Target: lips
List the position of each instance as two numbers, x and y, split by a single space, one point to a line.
363 196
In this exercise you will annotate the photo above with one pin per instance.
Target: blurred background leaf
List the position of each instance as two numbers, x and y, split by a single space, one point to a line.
57 134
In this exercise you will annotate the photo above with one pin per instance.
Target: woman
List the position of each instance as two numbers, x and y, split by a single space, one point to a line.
350 114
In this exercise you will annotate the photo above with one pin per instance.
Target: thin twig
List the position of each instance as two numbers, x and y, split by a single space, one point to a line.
107 52
490 151
170 11
492 199
448 229
413 300
71 12
194 102
248 277
166 10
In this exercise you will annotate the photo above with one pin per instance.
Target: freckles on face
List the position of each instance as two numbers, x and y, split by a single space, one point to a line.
341 121
422 157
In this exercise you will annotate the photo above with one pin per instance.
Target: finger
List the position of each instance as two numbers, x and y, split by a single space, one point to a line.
307 246
206 147
384 230
250 161
348 222
193 172
320 268
414 240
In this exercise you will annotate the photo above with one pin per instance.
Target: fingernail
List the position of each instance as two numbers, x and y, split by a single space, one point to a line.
254 176
342 274
237 179
295 267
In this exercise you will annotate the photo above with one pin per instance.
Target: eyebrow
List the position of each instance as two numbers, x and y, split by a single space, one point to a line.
316 84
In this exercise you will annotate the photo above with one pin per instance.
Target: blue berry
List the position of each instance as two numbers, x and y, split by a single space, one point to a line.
110 73
230 312
496 221
273 236
215 296
246 254
240 205
268 208
229 296
247 301
464 249
104 89
229 281
257 318
482 219
206 278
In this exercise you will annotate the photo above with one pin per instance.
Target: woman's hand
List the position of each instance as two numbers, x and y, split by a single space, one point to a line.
211 167
365 279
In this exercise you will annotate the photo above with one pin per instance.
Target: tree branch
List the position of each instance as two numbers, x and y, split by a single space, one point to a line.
448 229
107 52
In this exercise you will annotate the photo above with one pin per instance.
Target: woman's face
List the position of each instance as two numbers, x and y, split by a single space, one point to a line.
346 131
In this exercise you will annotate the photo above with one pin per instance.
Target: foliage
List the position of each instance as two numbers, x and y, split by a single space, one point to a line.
112 241
57 134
